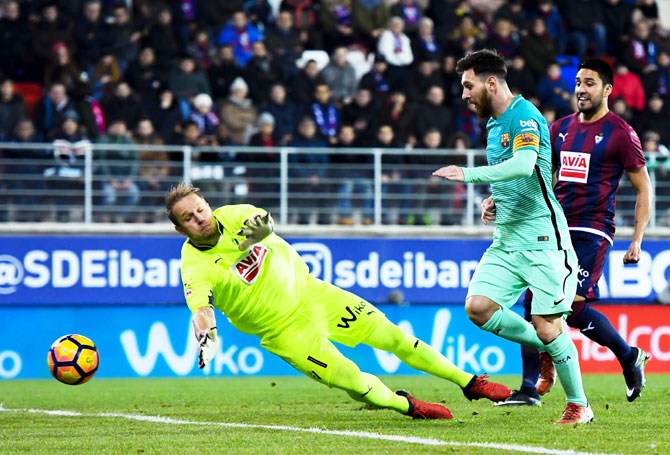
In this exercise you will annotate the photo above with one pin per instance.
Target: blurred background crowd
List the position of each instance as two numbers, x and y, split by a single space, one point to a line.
300 73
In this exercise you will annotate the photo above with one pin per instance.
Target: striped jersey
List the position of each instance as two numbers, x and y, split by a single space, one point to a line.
528 216
591 158
256 289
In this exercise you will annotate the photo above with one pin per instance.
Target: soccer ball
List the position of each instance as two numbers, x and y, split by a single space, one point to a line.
73 359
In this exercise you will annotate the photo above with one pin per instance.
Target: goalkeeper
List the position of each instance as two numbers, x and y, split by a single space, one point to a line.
234 262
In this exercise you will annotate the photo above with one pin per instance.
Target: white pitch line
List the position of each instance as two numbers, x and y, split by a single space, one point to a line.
356 434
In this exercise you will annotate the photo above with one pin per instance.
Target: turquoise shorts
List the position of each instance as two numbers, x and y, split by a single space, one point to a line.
551 275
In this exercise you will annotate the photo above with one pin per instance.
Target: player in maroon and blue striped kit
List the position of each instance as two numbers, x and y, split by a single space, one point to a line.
591 150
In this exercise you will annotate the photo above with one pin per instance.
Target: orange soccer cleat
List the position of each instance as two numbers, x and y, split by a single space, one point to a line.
479 387
422 410
575 413
547 377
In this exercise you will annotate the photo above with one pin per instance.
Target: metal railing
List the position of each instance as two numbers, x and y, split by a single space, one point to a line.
92 183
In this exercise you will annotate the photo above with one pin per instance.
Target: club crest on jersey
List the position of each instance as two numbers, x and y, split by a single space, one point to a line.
574 167
248 267
504 140
189 291
599 138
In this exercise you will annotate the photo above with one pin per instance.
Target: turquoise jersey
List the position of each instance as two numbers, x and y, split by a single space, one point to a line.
528 216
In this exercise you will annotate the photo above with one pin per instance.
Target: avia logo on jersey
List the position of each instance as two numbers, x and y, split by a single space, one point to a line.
528 124
249 266
574 167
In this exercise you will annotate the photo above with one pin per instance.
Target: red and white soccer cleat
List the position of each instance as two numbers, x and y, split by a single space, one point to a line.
547 377
575 413
479 387
422 410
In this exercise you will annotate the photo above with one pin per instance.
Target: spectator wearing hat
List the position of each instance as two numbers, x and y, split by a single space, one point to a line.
203 114
62 69
237 113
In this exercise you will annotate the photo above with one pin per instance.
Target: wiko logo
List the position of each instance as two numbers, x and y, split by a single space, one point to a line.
248 360
159 343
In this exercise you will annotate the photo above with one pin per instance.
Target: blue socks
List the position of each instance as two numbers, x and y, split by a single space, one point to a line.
595 325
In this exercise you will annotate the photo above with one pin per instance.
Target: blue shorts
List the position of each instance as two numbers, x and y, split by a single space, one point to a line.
591 252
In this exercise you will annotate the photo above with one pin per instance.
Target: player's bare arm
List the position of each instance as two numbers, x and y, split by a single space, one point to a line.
639 178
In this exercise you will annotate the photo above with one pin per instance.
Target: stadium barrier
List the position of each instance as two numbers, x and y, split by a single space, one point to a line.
94 183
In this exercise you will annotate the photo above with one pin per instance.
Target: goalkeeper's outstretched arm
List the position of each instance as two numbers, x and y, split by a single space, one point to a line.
204 326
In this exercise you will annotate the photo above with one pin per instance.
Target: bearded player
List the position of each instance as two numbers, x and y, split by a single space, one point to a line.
531 245
232 261
591 150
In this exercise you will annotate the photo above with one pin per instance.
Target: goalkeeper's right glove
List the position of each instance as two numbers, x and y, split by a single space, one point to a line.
255 229
207 347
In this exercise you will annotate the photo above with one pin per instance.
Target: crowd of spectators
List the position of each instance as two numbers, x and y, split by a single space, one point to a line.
232 72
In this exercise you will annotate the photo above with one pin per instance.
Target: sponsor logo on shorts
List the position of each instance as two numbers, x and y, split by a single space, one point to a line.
353 314
249 266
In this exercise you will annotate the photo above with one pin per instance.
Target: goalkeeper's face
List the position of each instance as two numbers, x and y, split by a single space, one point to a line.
196 220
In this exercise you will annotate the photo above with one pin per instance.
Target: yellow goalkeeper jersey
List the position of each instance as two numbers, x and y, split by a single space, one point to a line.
257 288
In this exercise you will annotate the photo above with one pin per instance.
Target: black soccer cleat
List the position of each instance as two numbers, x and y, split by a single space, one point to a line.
520 398
633 373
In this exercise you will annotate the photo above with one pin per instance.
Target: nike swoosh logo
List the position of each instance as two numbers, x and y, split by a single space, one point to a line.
219 259
556 303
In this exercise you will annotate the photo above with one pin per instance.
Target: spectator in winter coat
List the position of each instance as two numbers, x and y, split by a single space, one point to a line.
340 77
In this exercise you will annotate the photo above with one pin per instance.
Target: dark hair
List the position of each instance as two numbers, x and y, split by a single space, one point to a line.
485 62
601 67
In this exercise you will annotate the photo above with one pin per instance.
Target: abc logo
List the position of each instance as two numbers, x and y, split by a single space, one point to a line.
318 257
11 273
529 123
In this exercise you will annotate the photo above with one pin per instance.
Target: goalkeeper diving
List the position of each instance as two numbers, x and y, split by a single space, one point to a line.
234 262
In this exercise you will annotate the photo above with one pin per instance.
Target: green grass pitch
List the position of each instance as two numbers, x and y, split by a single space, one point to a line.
642 427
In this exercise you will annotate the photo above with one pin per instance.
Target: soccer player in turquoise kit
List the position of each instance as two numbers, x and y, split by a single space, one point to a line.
233 261
531 244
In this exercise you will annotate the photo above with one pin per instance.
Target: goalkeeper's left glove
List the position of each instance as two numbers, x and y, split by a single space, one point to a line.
255 230
207 347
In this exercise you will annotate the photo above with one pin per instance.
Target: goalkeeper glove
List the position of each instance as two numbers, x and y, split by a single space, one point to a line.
255 230
207 347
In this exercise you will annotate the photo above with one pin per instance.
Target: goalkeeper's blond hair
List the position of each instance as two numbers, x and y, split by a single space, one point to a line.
176 194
